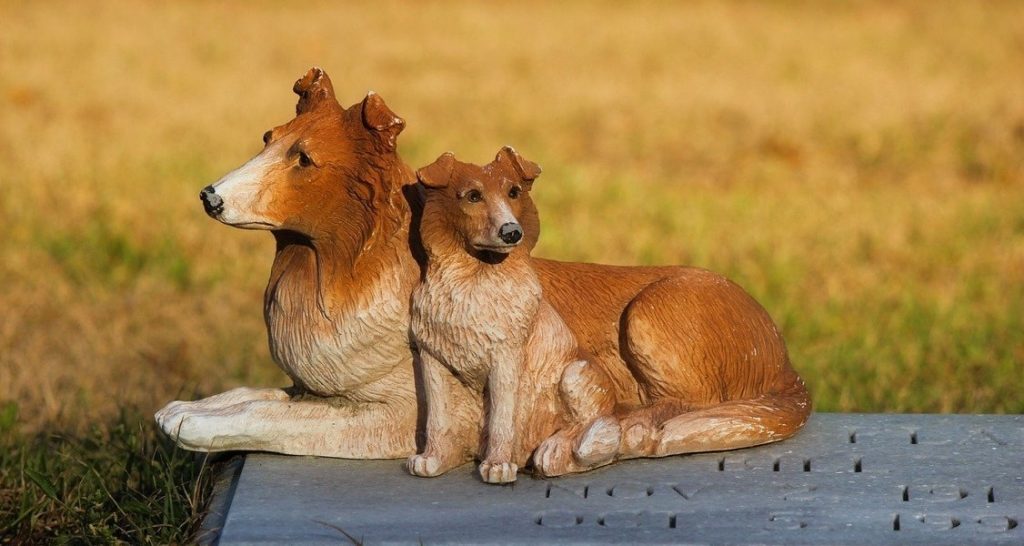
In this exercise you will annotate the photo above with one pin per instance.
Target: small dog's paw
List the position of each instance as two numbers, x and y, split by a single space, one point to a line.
498 472
425 466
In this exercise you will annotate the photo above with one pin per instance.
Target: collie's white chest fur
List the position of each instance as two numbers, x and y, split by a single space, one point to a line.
336 351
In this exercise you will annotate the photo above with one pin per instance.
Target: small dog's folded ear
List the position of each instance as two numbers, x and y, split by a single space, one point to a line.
527 170
380 119
438 173
312 89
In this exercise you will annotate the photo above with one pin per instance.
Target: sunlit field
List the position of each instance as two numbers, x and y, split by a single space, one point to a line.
858 167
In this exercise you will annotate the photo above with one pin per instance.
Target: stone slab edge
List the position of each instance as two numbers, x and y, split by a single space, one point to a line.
225 481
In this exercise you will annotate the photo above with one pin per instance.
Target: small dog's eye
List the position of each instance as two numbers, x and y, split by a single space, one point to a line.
304 160
513 192
474 196
267 136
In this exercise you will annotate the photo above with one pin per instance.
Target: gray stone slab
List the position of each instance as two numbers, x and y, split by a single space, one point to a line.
845 479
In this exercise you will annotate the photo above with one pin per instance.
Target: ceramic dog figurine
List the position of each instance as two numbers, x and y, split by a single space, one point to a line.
696 364
479 314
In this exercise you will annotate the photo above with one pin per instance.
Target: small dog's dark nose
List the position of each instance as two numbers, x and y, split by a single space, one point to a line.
511 233
212 202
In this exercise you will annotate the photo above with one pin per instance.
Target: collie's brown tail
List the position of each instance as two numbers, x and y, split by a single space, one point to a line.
734 424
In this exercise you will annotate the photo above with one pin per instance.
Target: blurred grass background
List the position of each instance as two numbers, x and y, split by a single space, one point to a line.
857 166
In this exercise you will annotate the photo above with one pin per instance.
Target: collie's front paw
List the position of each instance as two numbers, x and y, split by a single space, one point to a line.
425 466
492 472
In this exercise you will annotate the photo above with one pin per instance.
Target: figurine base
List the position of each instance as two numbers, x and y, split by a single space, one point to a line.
845 479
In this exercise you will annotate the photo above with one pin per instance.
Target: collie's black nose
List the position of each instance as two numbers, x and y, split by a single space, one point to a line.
511 233
212 202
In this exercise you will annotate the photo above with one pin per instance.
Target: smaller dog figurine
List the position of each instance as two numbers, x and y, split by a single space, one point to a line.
478 313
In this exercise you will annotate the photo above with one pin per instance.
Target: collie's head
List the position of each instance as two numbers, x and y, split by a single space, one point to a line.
486 210
324 169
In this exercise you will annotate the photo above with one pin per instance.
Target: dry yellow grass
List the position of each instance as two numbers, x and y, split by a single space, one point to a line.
859 167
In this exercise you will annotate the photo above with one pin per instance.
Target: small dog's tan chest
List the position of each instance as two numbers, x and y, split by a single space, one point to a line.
464 315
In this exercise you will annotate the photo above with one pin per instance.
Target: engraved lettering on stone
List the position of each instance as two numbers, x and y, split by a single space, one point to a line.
800 493
630 490
689 491
791 463
930 438
995 524
1007 492
789 521
763 462
566 491
628 519
987 437
833 463
935 493
558 518
938 522
874 437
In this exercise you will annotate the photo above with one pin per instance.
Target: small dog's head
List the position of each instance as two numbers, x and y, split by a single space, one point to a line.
485 209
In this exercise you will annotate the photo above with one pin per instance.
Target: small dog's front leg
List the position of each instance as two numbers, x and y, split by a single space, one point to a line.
502 384
442 452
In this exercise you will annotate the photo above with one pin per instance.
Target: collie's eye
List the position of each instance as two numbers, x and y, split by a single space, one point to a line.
267 136
474 196
304 160
514 191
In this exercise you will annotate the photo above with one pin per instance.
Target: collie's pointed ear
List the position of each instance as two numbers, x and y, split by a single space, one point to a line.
527 170
439 173
312 89
380 119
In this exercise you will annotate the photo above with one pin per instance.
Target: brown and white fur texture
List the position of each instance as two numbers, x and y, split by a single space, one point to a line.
479 314
694 362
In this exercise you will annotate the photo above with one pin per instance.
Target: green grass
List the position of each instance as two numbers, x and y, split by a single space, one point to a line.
118 483
103 254
856 166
